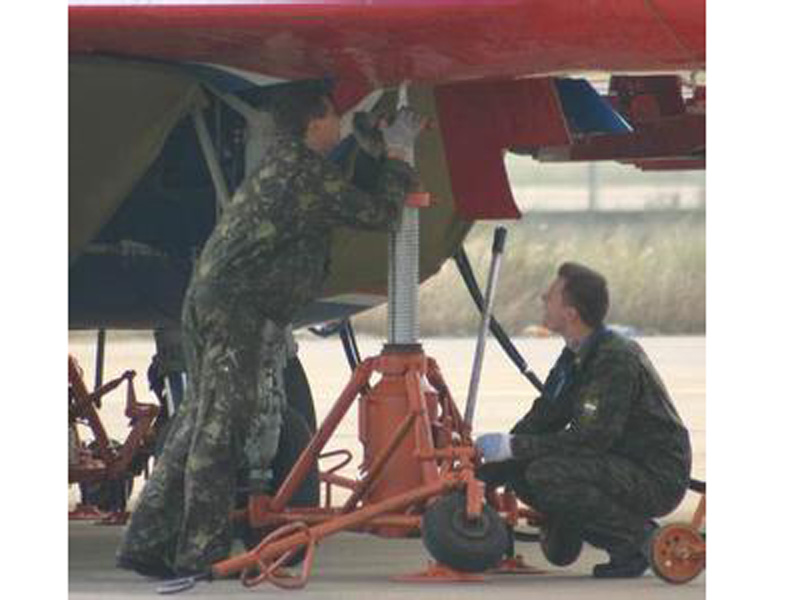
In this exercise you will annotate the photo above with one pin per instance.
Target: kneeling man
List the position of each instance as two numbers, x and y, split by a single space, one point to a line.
603 450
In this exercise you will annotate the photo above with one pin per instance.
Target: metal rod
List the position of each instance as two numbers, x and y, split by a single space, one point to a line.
207 146
294 515
462 262
358 380
477 364
260 129
100 358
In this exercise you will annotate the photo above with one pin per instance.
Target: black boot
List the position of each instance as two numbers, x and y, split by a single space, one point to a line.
561 540
630 561
633 565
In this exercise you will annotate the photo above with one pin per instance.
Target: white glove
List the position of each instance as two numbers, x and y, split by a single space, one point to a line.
401 134
495 447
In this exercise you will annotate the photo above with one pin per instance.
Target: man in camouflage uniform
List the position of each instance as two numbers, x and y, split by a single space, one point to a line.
603 450
266 259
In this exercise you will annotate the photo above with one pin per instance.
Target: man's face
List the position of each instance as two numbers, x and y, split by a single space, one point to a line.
556 312
324 132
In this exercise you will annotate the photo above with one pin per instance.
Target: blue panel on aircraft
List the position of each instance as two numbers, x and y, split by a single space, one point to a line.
586 111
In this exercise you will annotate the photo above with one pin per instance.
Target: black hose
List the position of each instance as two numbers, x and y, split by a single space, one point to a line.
352 333
348 337
468 276
697 486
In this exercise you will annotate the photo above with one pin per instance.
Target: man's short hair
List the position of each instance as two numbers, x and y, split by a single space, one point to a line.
585 290
295 105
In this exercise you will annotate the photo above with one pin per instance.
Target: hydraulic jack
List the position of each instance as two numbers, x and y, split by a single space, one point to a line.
417 476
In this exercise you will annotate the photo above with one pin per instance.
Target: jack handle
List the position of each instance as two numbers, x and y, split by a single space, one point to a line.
494 273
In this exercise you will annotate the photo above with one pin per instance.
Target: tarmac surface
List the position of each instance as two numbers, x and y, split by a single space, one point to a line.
350 565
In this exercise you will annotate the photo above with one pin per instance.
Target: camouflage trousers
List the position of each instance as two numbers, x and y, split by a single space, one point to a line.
608 496
225 433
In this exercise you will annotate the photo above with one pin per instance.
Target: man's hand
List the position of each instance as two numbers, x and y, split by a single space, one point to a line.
495 447
401 134
367 134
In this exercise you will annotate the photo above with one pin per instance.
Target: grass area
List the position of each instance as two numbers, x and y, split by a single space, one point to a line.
654 262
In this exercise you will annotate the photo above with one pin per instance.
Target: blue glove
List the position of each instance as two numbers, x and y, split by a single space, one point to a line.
495 447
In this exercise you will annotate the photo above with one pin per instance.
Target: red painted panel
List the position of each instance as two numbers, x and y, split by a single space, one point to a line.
478 121
690 33
675 137
385 42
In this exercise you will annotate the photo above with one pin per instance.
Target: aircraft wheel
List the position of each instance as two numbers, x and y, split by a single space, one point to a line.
460 543
108 495
677 553
298 392
294 438
295 435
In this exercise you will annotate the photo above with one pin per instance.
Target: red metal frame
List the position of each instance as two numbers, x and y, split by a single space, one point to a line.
682 137
111 464
669 131
479 121
416 435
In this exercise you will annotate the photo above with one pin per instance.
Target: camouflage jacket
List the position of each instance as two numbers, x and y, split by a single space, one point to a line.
613 401
272 243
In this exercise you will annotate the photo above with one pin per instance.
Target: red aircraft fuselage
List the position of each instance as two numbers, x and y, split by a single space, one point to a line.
381 43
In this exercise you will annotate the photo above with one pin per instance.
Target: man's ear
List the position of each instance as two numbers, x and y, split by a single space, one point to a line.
572 313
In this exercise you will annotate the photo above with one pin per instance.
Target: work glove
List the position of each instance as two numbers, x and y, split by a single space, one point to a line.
401 134
495 447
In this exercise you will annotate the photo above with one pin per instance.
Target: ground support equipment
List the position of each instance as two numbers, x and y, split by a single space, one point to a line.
103 460
678 550
417 476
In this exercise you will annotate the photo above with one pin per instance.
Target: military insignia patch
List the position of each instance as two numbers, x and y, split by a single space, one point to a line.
589 409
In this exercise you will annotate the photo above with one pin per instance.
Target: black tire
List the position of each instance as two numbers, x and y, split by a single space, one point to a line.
294 438
298 392
108 495
295 435
561 542
453 540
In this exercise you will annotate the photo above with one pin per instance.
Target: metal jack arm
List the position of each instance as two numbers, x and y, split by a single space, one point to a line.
494 274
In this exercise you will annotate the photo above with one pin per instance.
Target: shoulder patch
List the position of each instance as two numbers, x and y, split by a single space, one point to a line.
589 405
